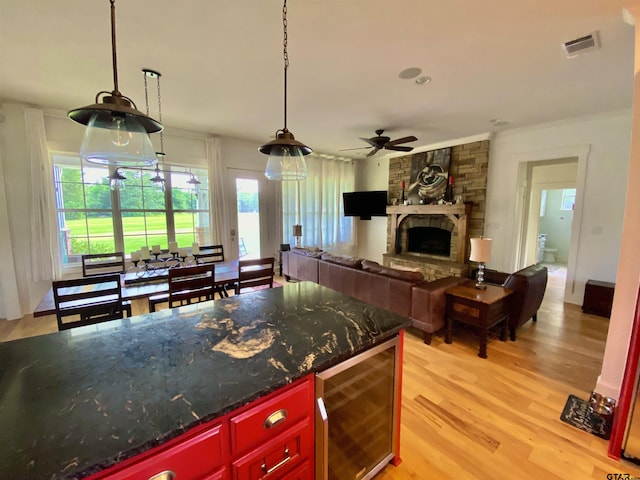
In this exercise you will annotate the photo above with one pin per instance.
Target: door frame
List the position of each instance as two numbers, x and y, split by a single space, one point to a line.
526 161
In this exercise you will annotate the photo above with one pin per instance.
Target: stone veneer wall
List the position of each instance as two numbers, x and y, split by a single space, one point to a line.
469 167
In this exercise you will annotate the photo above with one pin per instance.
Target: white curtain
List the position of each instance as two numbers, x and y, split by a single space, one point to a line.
217 198
9 303
316 203
41 216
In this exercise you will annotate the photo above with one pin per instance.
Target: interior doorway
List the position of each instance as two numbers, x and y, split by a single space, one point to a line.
549 219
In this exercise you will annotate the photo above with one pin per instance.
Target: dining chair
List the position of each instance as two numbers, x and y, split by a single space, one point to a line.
254 273
86 301
210 254
187 285
105 263
214 254
101 263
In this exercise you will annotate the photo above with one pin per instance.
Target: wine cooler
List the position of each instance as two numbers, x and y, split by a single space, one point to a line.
357 404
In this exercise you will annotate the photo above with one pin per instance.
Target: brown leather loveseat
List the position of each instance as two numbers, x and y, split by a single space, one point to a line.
528 285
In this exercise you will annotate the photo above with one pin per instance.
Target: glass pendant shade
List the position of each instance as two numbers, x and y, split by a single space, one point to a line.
113 139
286 163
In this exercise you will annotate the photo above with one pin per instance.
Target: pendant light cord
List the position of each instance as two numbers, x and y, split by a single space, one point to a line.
114 57
286 59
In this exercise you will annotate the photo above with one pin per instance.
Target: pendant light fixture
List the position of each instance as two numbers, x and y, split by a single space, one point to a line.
286 154
116 180
157 180
194 184
117 133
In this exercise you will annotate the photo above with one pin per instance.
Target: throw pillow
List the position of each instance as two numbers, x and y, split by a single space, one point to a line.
346 260
375 267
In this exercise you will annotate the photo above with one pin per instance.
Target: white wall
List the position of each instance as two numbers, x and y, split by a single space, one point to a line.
628 274
371 235
606 138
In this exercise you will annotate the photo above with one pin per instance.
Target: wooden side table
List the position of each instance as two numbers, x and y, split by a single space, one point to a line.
479 308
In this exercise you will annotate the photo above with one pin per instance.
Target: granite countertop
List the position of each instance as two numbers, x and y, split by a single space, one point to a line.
75 402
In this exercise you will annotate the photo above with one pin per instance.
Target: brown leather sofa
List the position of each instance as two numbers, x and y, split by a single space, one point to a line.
528 285
402 292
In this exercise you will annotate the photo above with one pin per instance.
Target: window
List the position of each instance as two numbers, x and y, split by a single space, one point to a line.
94 219
568 199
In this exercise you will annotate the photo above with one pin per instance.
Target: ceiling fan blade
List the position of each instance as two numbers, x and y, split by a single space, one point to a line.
373 152
402 140
369 141
357 148
398 148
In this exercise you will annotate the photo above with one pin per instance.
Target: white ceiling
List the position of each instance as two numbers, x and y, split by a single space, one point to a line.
222 66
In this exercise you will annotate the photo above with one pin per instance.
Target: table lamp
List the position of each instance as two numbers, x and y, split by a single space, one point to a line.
297 233
481 253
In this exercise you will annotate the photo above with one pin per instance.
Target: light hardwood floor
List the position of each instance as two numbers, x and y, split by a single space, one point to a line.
464 417
468 418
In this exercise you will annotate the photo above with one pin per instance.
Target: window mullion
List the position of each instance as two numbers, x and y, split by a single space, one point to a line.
171 226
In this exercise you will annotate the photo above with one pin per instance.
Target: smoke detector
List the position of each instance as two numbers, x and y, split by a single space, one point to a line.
581 45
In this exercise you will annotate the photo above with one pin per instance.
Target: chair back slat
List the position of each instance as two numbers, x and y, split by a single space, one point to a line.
86 301
255 272
211 254
102 263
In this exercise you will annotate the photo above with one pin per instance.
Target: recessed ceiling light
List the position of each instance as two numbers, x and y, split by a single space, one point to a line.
423 80
409 73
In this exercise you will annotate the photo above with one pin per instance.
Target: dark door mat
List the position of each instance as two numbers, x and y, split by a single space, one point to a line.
576 413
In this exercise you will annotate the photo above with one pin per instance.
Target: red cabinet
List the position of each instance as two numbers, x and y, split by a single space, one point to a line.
270 417
270 438
196 457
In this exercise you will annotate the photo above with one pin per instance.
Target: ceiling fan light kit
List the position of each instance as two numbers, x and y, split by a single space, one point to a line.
286 154
117 133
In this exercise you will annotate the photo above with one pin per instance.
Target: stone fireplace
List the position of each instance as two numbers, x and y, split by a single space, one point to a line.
433 238
468 167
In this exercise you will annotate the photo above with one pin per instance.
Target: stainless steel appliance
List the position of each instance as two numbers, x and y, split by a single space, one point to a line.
357 403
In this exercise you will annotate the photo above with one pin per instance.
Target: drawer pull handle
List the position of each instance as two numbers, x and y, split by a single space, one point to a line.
275 418
286 458
166 475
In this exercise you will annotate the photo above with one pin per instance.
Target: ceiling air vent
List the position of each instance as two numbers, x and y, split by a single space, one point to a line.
582 45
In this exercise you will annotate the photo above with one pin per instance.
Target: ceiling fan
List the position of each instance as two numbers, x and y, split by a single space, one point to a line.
383 142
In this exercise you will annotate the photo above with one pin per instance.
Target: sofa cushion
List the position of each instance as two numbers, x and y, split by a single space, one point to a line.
375 267
308 252
346 260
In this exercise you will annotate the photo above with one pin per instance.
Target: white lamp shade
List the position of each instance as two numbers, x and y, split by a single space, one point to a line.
480 250
113 140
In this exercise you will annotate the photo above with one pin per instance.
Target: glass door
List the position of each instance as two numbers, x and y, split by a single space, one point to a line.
252 219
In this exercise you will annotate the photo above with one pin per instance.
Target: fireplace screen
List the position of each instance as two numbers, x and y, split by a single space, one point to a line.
429 240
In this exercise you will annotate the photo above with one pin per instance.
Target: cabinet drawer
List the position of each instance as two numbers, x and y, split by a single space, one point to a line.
191 459
219 475
271 417
303 472
279 455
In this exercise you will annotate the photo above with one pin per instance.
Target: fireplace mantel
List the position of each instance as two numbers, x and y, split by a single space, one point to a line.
458 214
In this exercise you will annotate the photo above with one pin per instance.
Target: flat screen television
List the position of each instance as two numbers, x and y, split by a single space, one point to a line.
365 204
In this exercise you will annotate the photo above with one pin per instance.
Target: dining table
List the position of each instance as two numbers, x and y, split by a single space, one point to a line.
142 282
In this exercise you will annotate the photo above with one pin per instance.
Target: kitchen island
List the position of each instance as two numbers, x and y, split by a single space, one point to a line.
77 402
